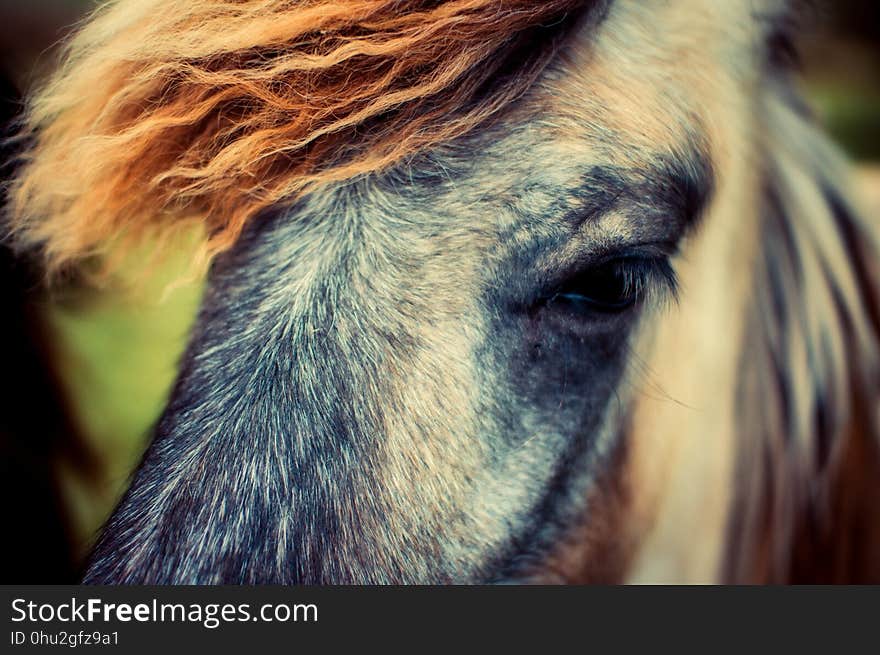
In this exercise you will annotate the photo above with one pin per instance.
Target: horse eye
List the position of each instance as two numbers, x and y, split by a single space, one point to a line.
610 287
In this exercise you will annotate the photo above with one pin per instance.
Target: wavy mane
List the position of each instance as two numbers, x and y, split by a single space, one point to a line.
166 113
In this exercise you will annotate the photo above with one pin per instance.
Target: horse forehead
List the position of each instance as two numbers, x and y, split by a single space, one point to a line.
649 73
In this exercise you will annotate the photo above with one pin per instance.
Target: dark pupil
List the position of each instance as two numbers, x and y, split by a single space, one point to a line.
603 288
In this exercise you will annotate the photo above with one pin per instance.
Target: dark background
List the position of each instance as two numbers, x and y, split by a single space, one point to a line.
85 373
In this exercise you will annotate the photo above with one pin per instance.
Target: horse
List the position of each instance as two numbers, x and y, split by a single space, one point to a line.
557 291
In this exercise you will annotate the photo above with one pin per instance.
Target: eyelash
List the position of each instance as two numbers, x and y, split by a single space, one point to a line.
613 286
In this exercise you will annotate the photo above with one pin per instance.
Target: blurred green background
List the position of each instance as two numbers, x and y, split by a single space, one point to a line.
113 352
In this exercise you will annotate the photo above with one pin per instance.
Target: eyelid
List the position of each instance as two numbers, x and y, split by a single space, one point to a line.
646 250
655 254
646 276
